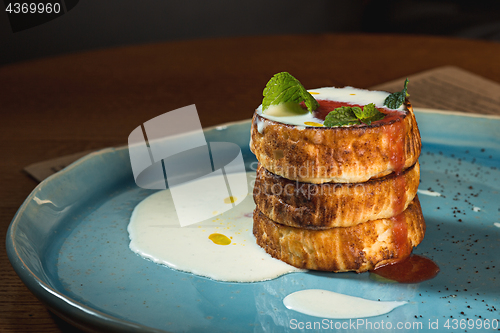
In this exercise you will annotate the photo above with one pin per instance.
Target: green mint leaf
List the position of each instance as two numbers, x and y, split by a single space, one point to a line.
341 116
357 111
376 117
284 88
347 115
368 114
395 100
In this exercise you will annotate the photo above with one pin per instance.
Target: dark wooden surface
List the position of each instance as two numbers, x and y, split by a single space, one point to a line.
64 105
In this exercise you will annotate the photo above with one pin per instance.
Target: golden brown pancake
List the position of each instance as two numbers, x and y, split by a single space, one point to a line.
328 205
359 248
351 154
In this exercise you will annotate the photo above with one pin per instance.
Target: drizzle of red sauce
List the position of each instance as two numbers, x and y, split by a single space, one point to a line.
399 227
413 269
400 235
396 133
399 202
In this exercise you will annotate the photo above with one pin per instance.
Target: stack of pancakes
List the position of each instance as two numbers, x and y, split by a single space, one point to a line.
338 198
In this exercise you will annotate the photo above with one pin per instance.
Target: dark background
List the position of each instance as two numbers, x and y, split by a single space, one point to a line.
94 24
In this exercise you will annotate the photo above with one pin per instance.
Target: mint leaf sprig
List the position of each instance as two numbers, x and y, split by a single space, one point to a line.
368 114
395 100
341 116
347 115
284 88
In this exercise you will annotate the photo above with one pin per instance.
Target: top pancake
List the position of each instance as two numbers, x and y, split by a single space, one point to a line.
350 154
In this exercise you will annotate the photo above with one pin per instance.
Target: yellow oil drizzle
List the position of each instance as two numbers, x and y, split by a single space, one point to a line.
312 123
352 94
313 93
229 200
219 239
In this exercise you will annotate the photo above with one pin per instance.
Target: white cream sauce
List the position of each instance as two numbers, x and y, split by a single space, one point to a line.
156 234
283 114
329 304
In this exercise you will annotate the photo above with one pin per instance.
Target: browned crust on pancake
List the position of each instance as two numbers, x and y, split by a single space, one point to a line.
359 248
323 206
334 154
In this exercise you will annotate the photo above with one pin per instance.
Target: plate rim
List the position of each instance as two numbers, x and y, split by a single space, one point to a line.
457 113
56 301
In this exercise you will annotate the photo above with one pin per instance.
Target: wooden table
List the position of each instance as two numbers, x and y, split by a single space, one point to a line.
64 105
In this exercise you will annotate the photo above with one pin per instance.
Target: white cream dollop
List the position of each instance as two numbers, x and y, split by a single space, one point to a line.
329 304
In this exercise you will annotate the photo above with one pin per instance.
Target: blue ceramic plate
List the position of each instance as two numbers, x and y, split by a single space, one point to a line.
69 244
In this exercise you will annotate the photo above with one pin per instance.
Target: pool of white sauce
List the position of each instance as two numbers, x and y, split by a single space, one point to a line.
329 304
156 234
351 95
